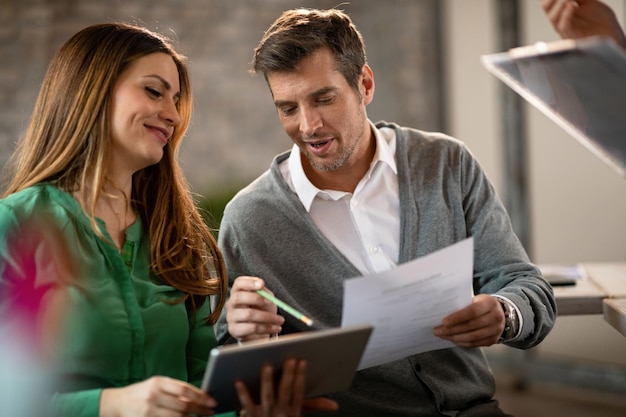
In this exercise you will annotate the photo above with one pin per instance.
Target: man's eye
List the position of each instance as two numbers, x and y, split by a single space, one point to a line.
287 111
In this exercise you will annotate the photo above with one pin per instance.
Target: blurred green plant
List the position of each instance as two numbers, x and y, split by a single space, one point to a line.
211 205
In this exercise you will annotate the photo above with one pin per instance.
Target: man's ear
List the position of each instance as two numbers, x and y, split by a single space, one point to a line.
367 84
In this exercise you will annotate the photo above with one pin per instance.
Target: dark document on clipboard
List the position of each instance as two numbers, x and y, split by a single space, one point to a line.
579 84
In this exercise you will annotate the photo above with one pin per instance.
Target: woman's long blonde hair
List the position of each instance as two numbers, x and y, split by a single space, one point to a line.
67 143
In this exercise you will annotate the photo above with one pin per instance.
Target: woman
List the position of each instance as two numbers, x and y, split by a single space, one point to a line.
104 259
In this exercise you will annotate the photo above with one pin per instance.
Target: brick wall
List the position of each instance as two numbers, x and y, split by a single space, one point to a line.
235 131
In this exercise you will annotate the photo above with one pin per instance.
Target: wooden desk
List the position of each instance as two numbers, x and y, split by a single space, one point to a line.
602 290
601 280
583 298
615 313
609 276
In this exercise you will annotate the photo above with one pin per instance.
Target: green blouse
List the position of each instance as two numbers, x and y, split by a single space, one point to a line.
118 325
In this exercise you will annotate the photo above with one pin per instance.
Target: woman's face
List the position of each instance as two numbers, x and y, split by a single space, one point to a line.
143 113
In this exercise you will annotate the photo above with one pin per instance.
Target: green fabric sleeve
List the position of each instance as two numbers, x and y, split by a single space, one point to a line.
77 404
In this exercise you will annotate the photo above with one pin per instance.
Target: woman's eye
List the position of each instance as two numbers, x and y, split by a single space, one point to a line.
153 92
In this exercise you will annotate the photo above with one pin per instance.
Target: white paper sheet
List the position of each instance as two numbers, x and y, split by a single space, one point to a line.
405 303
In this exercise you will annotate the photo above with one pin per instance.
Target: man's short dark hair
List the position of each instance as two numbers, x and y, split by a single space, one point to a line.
298 33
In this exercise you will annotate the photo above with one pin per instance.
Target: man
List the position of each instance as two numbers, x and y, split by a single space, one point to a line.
578 19
354 198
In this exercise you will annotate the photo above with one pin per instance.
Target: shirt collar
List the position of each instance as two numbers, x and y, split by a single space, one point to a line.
307 191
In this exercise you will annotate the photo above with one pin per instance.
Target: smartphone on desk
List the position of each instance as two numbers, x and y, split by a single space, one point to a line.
562 275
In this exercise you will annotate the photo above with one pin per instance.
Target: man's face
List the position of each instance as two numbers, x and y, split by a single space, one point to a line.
322 114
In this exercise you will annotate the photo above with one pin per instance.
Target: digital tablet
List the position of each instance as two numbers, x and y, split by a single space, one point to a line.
332 357
579 84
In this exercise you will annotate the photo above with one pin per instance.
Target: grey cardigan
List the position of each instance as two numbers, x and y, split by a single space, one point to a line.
445 197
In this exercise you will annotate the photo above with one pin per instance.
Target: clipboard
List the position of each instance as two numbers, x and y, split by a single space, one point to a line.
579 84
332 357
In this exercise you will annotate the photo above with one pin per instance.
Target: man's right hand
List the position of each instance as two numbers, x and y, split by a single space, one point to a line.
249 315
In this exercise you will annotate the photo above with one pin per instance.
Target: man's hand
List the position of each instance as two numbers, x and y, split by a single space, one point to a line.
479 324
249 315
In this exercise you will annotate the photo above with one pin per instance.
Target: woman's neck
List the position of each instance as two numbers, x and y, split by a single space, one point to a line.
117 213
113 207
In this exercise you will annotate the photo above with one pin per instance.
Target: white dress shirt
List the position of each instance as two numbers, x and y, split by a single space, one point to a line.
364 225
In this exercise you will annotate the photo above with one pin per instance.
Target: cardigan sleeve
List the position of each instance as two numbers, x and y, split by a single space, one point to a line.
501 264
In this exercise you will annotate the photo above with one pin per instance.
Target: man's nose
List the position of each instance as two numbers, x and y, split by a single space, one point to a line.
310 121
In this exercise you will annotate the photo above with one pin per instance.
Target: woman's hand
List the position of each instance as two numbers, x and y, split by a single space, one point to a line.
155 397
289 400
249 315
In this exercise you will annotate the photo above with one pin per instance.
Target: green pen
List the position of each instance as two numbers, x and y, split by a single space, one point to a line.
286 307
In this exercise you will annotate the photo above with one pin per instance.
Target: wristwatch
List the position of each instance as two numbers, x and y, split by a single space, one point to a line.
511 321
